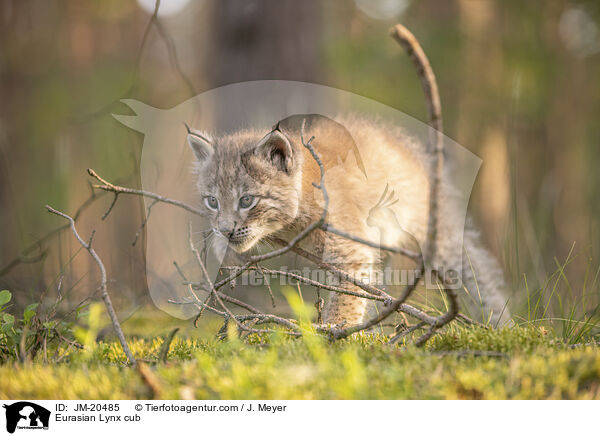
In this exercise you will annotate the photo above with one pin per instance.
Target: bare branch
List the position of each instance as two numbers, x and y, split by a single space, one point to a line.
217 297
111 206
225 297
387 311
24 256
268 283
308 281
144 222
107 186
432 98
342 275
394 339
173 59
398 250
103 288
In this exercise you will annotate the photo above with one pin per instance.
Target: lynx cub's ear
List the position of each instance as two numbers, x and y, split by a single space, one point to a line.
277 150
200 143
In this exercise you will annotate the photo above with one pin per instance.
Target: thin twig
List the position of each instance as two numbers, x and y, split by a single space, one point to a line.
141 229
150 379
436 140
394 339
311 282
132 88
224 296
432 96
268 283
103 288
398 250
164 349
342 275
111 206
24 255
107 186
223 306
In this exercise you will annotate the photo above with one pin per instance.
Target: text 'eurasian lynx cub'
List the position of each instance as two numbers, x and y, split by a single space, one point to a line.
256 185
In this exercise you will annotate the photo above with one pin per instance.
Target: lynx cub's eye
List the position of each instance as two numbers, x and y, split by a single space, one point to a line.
211 202
247 201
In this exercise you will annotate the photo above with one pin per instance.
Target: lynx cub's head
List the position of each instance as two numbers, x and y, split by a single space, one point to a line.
249 183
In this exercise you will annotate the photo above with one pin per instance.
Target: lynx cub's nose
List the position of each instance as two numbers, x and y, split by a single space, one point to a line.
226 231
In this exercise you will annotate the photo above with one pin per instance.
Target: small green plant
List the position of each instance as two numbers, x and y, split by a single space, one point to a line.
22 337
13 332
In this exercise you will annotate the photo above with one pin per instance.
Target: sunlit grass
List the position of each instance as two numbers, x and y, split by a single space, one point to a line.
527 362
550 351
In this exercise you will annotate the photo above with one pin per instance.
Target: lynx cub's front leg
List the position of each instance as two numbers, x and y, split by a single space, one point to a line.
343 308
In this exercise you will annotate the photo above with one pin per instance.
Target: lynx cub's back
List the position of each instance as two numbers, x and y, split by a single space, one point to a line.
257 185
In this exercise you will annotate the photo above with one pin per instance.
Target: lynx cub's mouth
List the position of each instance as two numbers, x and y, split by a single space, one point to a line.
255 183
243 243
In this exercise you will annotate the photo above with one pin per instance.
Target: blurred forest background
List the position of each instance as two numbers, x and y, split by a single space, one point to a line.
518 81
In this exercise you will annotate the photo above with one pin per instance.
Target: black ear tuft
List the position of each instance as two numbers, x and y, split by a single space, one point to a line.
276 148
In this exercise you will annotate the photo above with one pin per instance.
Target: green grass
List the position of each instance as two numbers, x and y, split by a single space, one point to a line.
551 351
463 362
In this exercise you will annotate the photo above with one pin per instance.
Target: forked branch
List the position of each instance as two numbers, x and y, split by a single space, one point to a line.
103 281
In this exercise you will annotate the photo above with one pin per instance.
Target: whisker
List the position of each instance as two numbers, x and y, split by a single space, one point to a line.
203 231
212 233
209 244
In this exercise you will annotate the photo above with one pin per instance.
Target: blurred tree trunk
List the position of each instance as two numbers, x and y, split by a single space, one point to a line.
483 69
260 39
483 65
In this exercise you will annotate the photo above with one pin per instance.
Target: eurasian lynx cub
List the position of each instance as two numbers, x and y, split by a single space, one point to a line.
257 184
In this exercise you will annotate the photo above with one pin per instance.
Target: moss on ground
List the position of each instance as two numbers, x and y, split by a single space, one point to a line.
468 363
